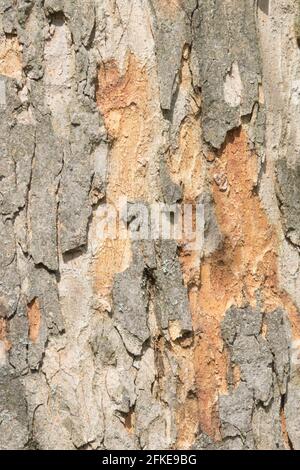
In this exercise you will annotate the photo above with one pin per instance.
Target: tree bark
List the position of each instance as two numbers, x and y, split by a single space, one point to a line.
122 343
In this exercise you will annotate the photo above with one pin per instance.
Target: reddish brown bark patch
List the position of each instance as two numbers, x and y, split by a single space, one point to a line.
124 99
34 320
10 57
244 267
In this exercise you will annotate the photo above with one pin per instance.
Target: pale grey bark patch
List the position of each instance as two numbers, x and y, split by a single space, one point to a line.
288 183
254 407
131 294
172 299
171 192
75 208
278 338
171 33
235 416
224 34
32 162
130 307
292 408
42 198
213 238
13 412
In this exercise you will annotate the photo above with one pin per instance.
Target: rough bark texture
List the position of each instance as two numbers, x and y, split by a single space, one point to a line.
124 344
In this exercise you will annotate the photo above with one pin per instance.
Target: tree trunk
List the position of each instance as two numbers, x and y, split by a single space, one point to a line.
136 342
